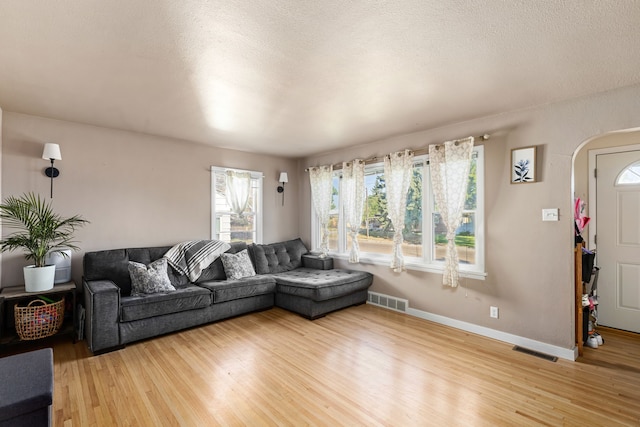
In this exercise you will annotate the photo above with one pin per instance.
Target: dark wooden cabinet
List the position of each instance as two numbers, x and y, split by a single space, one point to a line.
16 295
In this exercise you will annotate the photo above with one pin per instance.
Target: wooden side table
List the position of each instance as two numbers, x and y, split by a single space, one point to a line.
11 296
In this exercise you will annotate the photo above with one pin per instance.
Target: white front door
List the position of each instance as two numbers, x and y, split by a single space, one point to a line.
618 239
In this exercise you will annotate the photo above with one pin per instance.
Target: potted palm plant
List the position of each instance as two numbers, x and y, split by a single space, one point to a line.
38 231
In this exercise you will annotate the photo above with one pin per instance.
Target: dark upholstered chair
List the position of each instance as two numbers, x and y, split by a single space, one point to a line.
26 389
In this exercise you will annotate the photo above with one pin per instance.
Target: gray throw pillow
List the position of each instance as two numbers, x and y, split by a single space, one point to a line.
149 279
237 266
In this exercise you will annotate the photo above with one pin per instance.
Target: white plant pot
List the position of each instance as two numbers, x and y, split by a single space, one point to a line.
38 279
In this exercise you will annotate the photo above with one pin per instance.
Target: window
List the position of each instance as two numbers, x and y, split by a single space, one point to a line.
424 240
334 214
630 175
227 225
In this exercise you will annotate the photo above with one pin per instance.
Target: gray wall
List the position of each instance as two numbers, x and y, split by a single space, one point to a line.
137 190
529 262
141 190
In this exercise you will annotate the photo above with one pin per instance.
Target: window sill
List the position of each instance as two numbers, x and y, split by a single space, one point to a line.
411 265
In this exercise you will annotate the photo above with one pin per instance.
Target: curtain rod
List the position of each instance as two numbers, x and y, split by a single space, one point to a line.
418 152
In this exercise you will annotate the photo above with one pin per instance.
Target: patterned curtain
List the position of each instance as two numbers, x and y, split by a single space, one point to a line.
449 165
353 196
238 188
398 168
321 178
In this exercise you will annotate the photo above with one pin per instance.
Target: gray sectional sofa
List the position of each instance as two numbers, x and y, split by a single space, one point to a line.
287 276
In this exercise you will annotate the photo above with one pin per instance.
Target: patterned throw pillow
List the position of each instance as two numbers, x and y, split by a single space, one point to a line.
149 279
237 266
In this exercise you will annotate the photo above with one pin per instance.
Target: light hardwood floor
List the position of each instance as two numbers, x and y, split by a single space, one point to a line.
363 366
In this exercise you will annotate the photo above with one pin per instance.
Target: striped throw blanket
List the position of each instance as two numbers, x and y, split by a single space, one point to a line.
190 258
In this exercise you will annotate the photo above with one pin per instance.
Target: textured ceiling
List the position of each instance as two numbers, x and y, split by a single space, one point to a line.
294 77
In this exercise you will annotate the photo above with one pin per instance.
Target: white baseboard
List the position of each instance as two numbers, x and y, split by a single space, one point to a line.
563 353
541 347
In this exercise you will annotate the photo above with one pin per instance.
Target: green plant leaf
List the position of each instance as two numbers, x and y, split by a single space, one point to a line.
38 230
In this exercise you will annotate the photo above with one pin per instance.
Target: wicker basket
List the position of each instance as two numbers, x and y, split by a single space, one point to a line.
39 319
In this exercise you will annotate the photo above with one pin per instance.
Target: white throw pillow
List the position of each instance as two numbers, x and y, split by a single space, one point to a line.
149 279
237 266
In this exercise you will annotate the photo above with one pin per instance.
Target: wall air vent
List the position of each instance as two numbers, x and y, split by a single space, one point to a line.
387 301
535 353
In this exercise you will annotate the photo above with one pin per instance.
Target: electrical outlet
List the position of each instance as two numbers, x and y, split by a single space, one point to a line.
493 312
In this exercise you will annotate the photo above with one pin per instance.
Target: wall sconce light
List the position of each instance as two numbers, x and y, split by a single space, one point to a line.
283 179
51 152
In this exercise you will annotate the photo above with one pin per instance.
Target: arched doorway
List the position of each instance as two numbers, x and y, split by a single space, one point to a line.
623 145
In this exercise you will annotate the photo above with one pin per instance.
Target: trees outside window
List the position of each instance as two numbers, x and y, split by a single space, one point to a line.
424 236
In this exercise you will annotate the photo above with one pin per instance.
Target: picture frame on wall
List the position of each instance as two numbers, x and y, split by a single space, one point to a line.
523 165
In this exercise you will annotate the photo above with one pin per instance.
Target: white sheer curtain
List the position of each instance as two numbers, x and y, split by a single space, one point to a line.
238 188
321 178
353 196
398 168
449 165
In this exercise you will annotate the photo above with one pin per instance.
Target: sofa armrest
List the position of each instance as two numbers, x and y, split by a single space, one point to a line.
102 305
317 262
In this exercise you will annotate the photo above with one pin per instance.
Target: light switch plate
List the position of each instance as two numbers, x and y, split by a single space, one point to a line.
550 214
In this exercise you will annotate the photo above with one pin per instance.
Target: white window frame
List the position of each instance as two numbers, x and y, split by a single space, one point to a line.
474 271
256 177
628 168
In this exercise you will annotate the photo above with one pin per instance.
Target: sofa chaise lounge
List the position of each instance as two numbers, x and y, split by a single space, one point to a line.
287 276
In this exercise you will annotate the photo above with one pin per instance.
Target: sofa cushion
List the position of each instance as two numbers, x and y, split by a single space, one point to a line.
26 394
148 255
113 264
109 265
229 290
322 285
237 266
150 305
215 271
277 257
149 279
193 256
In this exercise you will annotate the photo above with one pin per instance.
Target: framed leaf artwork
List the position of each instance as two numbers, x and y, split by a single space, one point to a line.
523 165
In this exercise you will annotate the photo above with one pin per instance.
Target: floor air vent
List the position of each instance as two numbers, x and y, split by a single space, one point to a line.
535 353
387 301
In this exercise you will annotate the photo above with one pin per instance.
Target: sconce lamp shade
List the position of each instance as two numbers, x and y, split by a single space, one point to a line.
51 152
283 179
